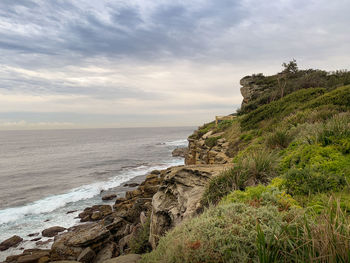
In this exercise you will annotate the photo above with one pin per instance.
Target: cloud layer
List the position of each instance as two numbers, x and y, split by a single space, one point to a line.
102 63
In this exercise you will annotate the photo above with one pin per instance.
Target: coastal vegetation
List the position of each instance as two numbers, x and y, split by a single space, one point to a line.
286 196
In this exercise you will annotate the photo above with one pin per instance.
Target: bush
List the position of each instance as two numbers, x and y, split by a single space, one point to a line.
211 141
262 195
255 168
324 238
202 130
339 97
281 138
315 157
281 108
226 233
308 181
139 243
224 125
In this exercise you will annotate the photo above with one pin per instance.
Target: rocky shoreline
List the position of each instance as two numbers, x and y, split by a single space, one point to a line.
161 201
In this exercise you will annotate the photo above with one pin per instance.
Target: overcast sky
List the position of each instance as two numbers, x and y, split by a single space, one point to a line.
99 63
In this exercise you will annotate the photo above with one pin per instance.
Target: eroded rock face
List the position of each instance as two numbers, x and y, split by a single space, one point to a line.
200 153
250 90
179 197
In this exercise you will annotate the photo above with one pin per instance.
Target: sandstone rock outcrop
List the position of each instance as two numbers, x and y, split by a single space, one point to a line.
180 152
201 153
179 197
250 90
95 213
71 244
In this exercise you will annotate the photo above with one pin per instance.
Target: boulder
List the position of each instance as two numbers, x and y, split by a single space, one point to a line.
10 242
31 256
71 244
52 231
179 197
43 243
109 197
33 234
130 258
180 152
99 212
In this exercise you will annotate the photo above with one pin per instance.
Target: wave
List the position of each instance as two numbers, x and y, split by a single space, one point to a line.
177 143
51 203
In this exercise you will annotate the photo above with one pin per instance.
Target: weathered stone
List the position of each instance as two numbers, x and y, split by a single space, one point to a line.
89 236
123 242
10 242
31 256
97 215
143 218
106 252
130 258
131 185
69 245
52 231
103 210
180 152
87 255
109 197
249 89
33 234
42 243
179 197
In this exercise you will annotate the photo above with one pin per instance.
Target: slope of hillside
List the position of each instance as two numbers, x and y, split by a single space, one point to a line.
286 197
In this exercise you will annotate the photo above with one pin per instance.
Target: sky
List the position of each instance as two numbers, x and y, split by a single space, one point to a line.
99 63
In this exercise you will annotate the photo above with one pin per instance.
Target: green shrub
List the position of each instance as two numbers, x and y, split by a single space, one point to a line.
139 243
255 168
339 96
221 185
224 125
262 195
315 157
324 238
310 181
246 137
281 108
211 141
226 233
202 130
281 138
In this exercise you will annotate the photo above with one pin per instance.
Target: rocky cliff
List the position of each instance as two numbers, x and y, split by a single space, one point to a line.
250 90
178 197
210 148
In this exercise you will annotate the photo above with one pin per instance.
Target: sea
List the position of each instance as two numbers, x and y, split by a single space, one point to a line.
47 177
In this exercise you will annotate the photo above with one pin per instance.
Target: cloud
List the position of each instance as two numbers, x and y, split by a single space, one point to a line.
153 58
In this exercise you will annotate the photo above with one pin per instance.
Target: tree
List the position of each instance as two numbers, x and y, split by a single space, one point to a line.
291 67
